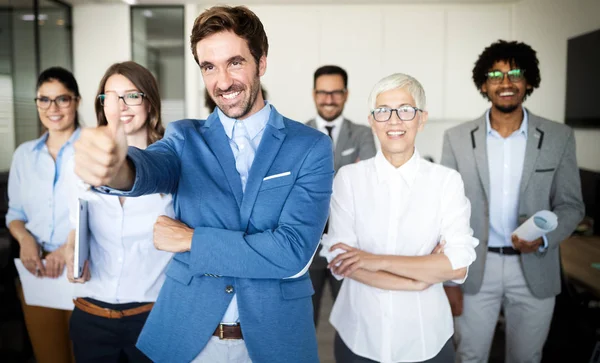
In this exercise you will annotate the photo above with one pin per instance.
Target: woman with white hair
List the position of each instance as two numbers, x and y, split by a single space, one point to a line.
399 227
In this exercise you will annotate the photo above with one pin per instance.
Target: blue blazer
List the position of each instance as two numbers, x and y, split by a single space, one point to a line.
247 243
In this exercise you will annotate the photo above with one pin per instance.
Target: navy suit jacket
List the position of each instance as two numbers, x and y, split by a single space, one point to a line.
246 243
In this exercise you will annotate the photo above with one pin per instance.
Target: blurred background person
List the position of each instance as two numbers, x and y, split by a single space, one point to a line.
38 213
351 142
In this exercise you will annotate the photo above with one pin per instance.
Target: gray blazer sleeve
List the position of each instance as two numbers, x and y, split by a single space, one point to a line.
366 145
565 196
448 158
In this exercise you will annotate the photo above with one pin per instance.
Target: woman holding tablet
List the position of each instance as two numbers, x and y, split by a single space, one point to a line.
125 271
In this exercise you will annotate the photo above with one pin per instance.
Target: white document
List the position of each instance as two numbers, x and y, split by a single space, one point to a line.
82 241
44 291
541 223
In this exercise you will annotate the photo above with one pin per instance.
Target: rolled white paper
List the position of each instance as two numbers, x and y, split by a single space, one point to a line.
539 224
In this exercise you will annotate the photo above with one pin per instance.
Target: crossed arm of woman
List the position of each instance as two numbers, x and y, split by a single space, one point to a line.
394 272
449 260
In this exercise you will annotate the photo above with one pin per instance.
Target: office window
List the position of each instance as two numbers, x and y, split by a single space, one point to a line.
159 44
31 39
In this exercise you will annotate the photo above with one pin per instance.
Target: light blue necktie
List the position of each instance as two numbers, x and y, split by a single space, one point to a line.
245 151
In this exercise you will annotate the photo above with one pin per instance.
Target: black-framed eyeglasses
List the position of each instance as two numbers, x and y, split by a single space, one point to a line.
130 99
514 76
338 93
62 101
404 113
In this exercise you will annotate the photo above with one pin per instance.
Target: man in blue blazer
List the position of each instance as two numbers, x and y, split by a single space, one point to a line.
251 193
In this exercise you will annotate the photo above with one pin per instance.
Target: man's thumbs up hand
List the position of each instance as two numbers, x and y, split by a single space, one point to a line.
100 157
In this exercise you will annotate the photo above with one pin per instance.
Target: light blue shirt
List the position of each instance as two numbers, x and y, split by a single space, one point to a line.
505 164
37 192
244 137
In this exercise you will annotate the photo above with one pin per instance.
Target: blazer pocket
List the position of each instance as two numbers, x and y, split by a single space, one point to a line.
179 272
348 151
276 181
545 170
297 288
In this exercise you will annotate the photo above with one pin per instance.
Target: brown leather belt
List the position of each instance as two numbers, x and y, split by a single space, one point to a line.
224 331
93 309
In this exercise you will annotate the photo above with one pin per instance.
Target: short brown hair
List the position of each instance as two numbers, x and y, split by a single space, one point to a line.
239 19
145 82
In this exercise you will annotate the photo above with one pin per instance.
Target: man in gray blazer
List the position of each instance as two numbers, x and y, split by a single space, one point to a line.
351 143
513 164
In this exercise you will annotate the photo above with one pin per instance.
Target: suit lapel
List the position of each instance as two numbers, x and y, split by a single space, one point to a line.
218 142
479 144
535 138
268 149
340 145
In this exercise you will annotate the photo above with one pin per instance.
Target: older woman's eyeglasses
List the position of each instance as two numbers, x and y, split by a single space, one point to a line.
405 113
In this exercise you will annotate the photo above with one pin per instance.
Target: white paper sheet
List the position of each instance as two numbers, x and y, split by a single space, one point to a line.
44 291
541 223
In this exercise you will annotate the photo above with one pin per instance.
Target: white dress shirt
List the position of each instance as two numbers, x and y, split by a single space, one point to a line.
125 266
337 126
403 211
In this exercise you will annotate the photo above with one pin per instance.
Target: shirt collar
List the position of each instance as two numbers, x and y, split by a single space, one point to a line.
407 172
521 130
39 143
254 124
321 123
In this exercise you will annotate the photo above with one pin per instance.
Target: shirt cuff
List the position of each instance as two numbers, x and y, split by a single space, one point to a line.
330 255
545 246
14 215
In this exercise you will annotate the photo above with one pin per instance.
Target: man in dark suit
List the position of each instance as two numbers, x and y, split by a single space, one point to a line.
513 164
351 143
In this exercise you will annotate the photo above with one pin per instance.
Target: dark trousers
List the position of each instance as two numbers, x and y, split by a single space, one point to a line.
320 275
102 340
343 354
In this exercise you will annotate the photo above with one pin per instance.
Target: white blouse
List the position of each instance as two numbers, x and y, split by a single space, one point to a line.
124 264
403 211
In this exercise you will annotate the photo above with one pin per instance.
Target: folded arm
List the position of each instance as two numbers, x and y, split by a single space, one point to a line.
387 281
459 247
280 252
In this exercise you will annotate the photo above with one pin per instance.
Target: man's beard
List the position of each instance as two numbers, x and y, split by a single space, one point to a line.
507 109
247 104
330 118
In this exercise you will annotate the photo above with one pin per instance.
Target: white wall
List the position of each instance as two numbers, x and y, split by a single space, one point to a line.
437 44
546 25
101 37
